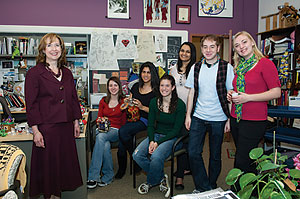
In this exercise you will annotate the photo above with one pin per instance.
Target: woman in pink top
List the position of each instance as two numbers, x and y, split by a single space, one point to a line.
255 83
109 107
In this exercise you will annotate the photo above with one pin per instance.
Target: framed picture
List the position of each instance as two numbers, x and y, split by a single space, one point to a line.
183 14
222 8
157 13
118 9
7 64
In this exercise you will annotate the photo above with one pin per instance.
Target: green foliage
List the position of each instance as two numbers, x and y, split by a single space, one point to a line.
269 180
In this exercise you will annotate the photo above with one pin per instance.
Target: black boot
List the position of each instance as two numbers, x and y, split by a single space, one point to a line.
122 160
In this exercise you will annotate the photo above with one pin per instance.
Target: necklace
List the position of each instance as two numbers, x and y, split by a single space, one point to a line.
53 73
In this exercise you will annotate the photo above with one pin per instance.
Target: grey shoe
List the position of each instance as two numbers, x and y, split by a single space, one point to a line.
164 186
102 184
144 188
195 191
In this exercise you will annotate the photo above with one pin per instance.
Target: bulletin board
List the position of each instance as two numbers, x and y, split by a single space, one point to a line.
165 57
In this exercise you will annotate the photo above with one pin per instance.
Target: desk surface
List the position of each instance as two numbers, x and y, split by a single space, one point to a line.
24 137
283 111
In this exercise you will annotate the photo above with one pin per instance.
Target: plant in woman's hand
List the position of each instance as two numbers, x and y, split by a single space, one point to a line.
271 181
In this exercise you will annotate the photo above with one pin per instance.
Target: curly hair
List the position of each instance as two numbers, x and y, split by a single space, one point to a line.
174 96
41 57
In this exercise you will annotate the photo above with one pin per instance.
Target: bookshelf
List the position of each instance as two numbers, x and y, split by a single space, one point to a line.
27 43
273 45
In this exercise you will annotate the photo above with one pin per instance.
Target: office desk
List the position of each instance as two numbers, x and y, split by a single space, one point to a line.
283 134
24 142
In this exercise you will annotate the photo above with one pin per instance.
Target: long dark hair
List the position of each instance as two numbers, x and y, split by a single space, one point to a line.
154 76
120 93
41 58
192 60
174 96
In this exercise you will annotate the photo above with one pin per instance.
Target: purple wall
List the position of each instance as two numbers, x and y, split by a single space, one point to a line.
91 13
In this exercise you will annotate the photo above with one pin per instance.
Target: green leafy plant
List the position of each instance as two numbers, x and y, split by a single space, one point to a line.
271 181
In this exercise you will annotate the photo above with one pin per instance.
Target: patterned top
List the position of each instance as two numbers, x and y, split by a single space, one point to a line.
180 80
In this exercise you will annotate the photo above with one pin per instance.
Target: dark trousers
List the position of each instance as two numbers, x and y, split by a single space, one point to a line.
182 165
202 180
126 134
246 135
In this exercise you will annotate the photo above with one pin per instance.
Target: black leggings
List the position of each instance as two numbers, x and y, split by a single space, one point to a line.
246 135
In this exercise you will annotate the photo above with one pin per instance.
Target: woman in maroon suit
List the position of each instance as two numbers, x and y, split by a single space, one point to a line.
53 112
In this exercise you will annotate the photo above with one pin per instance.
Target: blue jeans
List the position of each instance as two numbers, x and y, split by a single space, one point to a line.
102 157
202 181
153 164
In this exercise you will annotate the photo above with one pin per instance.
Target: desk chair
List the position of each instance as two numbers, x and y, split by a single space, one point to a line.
175 153
5 108
12 168
92 135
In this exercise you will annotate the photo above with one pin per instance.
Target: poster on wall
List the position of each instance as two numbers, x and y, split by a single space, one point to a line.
102 55
157 13
118 9
215 8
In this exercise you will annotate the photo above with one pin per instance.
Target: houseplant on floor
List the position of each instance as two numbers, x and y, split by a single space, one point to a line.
271 181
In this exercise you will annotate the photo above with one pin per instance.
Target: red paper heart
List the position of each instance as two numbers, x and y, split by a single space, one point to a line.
125 42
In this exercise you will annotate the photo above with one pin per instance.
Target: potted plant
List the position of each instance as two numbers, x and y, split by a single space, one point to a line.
271 181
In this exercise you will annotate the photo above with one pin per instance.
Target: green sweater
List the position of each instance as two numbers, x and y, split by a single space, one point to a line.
169 124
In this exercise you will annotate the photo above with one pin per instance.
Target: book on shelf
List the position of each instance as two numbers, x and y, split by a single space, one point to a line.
270 46
25 46
69 48
81 47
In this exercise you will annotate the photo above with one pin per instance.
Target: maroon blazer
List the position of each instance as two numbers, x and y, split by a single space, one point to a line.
49 100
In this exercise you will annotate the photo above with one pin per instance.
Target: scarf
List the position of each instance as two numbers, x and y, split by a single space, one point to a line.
209 65
243 67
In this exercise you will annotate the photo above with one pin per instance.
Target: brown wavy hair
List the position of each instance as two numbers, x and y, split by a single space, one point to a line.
41 58
120 93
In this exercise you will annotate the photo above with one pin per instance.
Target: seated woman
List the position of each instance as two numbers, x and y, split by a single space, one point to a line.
165 120
141 93
109 107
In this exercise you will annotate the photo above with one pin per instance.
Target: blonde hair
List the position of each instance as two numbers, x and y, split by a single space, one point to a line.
236 57
41 58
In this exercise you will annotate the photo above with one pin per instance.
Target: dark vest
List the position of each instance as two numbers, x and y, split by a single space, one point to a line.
220 85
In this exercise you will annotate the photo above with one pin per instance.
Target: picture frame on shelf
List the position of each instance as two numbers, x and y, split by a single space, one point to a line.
222 8
183 14
118 9
7 64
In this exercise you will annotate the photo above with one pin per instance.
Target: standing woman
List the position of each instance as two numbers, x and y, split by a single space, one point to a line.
166 117
186 58
141 93
109 107
53 112
255 82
